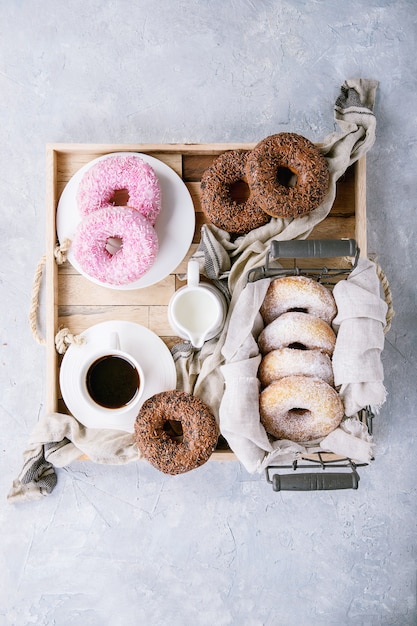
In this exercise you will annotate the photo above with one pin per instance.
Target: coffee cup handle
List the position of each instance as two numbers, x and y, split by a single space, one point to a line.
193 273
113 341
106 340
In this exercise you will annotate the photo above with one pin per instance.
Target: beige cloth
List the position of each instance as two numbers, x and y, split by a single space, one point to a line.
56 441
351 439
359 324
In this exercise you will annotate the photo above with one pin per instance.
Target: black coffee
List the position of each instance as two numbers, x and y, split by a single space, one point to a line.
112 381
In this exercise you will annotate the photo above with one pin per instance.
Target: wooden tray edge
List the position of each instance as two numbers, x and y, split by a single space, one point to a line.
52 150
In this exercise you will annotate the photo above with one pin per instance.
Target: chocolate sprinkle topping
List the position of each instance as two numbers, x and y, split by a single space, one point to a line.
168 452
217 201
299 192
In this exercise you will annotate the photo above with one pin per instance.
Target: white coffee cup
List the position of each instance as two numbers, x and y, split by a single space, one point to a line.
110 379
197 311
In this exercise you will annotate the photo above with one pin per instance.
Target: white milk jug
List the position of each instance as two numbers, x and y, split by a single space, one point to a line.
197 311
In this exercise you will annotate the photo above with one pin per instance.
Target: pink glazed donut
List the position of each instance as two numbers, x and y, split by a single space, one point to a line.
115 245
120 172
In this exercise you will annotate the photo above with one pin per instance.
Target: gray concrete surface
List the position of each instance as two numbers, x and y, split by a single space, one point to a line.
130 546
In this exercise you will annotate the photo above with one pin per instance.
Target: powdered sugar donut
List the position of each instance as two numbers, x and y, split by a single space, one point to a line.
298 293
293 362
295 330
115 245
300 408
120 172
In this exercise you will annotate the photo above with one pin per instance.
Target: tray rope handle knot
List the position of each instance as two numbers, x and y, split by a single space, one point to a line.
63 337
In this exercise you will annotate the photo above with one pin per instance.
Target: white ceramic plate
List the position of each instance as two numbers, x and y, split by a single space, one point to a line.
174 225
149 350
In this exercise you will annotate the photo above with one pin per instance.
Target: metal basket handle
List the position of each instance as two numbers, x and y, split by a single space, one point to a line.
307 248
314 481
319 248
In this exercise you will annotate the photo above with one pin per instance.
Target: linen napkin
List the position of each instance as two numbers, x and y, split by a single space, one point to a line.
350 439
239 408
359 324
56 441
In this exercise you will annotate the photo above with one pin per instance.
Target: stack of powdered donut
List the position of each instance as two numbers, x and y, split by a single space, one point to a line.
298 401
286 177
117 244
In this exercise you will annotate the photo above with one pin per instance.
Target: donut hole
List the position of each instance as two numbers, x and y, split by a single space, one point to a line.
286 177
297 346
297 309
173 428
120 197
239 192
113 245
297 412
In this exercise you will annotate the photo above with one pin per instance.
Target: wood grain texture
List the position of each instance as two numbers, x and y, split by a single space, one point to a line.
360 205
51 280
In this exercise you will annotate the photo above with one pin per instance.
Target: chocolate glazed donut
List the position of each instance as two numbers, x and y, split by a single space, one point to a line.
287 175
217 201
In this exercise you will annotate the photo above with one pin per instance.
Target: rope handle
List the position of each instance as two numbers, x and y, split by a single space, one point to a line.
60 254
387 296
64 338
34 306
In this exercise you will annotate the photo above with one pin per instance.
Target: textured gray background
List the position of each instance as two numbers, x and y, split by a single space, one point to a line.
216 546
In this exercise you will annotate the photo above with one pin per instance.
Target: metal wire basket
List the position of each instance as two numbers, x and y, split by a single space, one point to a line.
331 471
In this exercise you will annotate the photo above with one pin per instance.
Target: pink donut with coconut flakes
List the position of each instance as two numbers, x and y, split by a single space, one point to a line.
115 245
114 173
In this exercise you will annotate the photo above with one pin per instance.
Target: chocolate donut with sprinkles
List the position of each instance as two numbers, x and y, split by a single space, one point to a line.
287 175
175 431
217 201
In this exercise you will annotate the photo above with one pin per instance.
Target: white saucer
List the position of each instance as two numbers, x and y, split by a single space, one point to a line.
149 350
174 225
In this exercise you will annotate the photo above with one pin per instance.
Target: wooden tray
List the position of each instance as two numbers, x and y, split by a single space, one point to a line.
76 303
